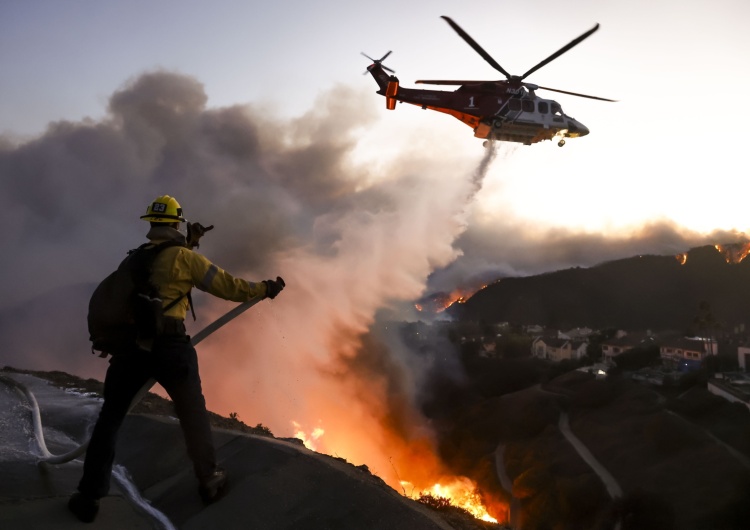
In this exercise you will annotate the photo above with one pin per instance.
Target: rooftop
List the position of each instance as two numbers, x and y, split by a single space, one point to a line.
735 383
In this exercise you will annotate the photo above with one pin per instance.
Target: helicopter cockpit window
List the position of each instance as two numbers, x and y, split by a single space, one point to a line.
543 107
557 112
528 105
514 104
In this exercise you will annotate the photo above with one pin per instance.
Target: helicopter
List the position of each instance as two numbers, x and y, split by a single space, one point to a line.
506 110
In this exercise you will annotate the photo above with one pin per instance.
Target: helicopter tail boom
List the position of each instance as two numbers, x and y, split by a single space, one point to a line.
387 84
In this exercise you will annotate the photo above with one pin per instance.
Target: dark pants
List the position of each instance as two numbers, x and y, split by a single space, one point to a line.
174 365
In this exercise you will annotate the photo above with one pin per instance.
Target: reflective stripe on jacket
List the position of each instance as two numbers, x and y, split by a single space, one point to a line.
177 269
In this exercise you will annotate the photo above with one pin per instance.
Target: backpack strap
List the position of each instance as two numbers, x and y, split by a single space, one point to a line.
173 303
157 248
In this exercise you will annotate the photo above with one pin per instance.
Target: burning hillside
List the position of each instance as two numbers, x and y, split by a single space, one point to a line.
665 293
439 302
460 492
733 253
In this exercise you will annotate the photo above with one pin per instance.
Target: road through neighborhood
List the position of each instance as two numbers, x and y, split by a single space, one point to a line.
613 488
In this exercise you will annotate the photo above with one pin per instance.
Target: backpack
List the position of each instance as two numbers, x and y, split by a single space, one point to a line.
126 310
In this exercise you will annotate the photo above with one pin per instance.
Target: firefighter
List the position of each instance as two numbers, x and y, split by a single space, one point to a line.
171 361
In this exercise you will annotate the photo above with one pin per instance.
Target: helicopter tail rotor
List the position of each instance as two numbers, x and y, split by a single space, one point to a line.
378 62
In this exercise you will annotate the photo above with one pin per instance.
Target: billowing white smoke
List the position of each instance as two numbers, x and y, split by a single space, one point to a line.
311 335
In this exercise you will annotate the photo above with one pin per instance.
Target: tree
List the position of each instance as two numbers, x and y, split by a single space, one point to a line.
638 357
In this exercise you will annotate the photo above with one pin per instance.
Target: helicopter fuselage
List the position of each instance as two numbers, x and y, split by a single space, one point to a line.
494 109
507 110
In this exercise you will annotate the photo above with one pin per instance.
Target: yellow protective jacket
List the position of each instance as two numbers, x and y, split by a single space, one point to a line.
177 269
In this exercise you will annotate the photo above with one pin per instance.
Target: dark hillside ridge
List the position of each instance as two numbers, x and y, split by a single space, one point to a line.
643 292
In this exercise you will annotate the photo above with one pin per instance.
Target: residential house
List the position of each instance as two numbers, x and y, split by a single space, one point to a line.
556 349
743 357
686 354
576 333
733 387
534 330
623 342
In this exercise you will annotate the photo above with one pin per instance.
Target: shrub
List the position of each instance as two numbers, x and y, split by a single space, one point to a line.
638 357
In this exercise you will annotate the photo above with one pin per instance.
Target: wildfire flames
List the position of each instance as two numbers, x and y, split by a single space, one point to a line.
458 491
461 492
310 441
733 253
440 302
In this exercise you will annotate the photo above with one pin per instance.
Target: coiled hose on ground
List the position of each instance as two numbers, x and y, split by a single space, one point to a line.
119 473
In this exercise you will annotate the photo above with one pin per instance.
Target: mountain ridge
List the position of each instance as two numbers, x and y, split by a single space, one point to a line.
640 292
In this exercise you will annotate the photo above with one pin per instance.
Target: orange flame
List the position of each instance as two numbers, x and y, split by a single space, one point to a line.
461 492
310 441
734 253
418 463
418 472
441 302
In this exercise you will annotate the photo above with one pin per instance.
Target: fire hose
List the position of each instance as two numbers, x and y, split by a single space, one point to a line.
71 455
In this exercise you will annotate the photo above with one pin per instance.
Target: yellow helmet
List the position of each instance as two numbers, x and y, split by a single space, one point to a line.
164 209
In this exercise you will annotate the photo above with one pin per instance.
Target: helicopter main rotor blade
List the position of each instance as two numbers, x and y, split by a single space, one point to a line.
562 50
575 94
477 48
446 82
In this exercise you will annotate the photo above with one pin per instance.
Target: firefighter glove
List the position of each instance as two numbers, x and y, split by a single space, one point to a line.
194 232
274 287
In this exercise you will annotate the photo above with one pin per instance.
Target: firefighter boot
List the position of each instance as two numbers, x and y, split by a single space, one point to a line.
84 507
214 487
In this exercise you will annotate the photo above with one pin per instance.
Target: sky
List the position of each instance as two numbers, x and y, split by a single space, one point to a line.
668 150
258 119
